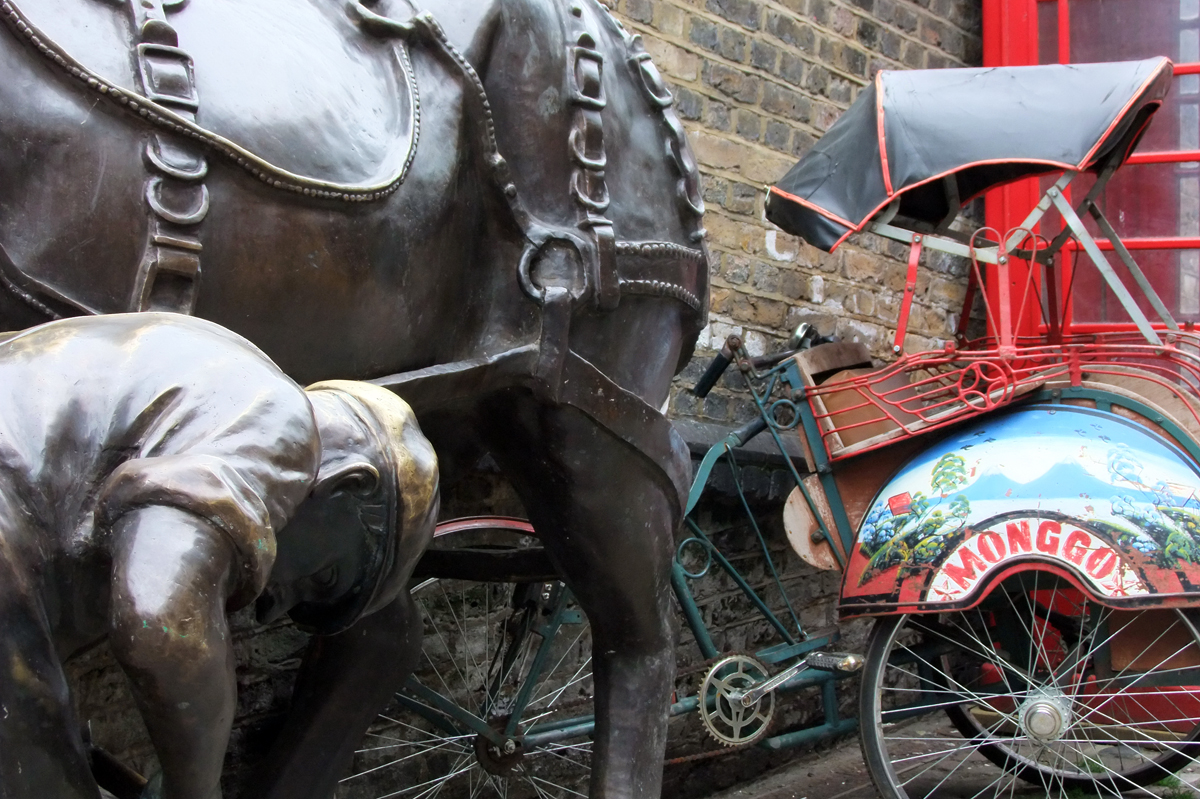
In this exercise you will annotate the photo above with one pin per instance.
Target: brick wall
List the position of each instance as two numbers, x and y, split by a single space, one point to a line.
757 82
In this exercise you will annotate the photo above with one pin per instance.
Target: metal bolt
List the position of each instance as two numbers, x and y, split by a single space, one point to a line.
916 239
896 348
1053 192
1003 259
510 746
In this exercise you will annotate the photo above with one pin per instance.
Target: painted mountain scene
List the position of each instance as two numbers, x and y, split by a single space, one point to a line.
1112 502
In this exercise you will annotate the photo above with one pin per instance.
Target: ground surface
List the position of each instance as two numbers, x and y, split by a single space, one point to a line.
838 772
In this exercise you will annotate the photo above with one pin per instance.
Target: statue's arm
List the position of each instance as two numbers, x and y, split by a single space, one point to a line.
170 579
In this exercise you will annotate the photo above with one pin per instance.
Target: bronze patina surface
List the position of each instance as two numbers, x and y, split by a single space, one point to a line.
489 207
149 465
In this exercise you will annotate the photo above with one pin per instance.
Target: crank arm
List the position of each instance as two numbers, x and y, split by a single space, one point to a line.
823 661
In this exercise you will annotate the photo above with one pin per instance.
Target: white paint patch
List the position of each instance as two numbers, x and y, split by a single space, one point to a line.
772 242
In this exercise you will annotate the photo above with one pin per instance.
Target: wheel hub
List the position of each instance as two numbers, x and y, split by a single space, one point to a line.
1045 716
500 761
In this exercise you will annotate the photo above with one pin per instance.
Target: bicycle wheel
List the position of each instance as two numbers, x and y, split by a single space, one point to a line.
491 648
1045 694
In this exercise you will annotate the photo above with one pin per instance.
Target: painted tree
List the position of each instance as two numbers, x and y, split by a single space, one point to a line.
949 473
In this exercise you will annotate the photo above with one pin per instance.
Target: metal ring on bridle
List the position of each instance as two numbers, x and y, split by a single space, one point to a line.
536 242
707 557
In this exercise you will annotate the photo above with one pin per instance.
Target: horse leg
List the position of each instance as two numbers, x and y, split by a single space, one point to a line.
606 515
344 681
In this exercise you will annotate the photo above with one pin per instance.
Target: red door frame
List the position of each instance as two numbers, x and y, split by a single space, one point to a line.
1010 38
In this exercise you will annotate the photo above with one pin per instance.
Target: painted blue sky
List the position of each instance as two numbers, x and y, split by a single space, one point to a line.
1061 459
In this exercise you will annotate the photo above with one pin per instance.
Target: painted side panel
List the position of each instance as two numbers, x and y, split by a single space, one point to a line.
1085 493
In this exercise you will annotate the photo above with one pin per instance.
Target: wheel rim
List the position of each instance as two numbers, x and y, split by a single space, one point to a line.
1093 703
478 651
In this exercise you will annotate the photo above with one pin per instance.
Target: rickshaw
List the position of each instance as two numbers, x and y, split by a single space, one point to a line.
1019 514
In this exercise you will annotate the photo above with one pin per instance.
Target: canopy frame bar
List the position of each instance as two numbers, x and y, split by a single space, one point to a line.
996 253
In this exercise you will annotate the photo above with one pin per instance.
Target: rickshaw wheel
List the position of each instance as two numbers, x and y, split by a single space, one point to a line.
481 640
1061 695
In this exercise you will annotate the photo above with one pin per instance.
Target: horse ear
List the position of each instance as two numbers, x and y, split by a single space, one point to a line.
356 477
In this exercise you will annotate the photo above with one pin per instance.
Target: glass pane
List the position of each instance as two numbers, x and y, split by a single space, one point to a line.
1173 273
1047 32
1140 201
1127 30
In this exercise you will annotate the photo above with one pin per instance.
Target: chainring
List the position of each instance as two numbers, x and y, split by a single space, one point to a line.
721 709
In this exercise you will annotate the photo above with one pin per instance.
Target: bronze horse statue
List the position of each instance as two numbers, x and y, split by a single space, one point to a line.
489 207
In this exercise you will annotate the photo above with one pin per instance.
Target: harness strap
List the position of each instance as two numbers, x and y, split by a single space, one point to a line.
168 275
580 385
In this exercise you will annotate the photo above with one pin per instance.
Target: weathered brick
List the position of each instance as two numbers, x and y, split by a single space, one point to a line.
841 91
732 82
791 69
868 34
844 22
854 61
890 44
778 135
914 55
674 62
820 12
714 189
717 116
764 167
786 102
802 142
669 19
716 151
736 269
640 10
749 125
759 311
743 199
746 13
703 33
816 79
733 45
688 104
790 31
766 278
763 55
905 18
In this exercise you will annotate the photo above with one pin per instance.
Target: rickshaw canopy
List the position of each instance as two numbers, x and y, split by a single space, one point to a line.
935 139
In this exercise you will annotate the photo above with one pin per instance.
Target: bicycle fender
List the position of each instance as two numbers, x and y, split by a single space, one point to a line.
1089 495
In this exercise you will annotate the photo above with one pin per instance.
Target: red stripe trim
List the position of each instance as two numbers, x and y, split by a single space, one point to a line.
881 135
1187 69
1128 104
813 207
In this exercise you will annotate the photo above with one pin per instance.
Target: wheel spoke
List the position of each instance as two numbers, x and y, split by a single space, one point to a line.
1013 661
407 756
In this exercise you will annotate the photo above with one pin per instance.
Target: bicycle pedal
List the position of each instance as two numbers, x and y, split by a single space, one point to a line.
834 661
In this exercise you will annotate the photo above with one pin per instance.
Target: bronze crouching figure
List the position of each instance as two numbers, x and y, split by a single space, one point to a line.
149 467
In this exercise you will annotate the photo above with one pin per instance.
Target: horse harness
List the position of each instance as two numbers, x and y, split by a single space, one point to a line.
177 200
